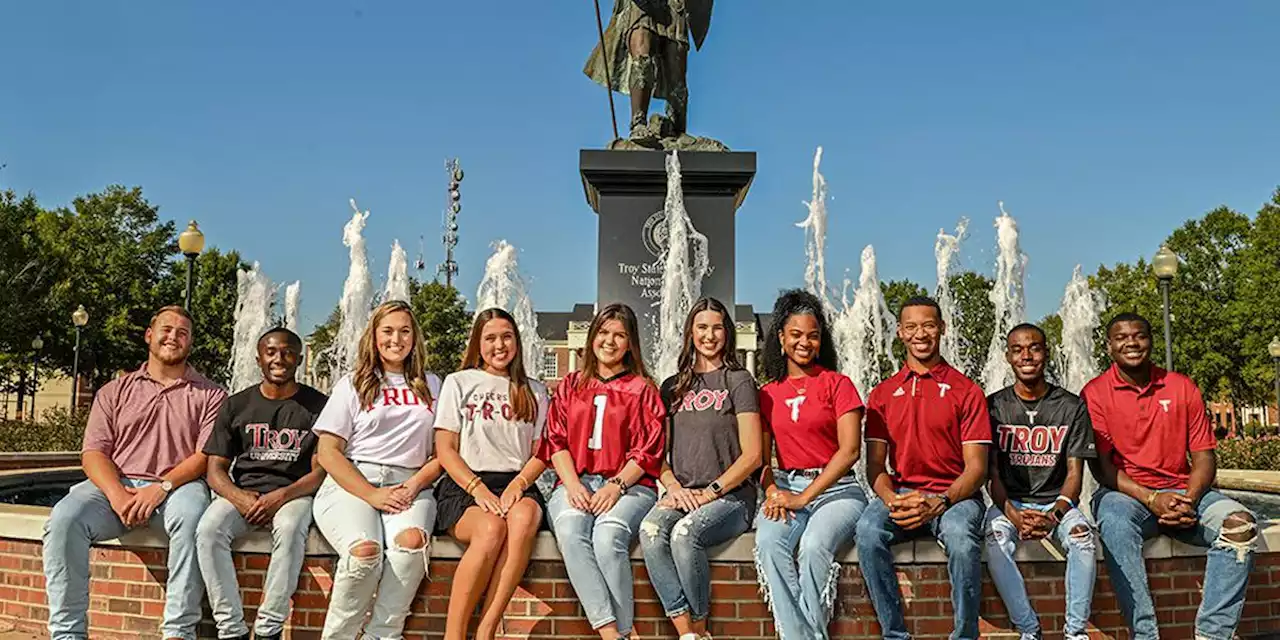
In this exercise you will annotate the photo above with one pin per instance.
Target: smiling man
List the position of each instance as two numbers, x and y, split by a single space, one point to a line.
265 431
930 423
1042 437
142 456
1157 465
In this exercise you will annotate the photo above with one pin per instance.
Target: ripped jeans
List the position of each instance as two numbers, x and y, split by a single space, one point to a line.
796 559
1124 523
394 573
597 551
1082 568
675 546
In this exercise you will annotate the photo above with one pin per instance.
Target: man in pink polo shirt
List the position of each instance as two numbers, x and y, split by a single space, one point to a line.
142 456
931 424
1148 422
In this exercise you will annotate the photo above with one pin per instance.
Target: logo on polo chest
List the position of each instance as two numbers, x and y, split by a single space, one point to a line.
1164 404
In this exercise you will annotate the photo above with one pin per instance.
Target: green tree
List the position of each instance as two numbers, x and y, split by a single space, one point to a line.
975 319
1253 311
442 314
321 341
26 276
109 251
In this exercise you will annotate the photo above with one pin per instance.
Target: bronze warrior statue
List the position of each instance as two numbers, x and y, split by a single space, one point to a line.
646 48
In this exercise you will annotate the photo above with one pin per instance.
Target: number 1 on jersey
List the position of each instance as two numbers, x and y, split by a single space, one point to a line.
596 442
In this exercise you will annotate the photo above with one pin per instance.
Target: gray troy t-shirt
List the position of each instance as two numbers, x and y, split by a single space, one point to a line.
704 427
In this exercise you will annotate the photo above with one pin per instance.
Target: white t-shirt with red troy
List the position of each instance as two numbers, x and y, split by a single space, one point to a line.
395 431
476 405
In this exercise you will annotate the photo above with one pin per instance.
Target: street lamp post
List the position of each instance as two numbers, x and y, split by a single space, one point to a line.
1165 264
191 243
36 345
79 318
1274 350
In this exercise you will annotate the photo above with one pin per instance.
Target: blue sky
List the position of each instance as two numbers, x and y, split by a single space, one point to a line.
1101 125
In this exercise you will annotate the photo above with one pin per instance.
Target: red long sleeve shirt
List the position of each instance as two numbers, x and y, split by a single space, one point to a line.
606 423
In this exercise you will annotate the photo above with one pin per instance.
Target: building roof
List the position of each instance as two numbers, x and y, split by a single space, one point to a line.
554 325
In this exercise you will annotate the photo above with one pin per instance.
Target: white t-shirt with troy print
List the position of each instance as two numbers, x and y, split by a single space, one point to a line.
395 431
476 405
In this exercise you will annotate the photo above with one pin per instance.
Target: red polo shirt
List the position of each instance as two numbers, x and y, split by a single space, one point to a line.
1149 431
926 419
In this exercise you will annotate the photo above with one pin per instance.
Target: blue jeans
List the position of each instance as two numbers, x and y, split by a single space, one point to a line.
597 551
796 559
1082 568
85 517
675 551
1124 523
958 529
219 528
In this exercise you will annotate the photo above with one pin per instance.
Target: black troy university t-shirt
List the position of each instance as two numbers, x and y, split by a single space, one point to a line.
270 442
1034 439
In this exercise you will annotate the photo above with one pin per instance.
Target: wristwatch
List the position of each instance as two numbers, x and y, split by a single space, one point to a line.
946 500
166 486
716 487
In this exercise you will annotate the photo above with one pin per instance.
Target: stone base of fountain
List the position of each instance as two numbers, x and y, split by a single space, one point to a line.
628 189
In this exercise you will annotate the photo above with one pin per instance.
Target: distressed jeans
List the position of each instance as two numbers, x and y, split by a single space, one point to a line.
220 526
597 551
675 546
958 530
393 574
1124 523
85 517
1082 569
796 558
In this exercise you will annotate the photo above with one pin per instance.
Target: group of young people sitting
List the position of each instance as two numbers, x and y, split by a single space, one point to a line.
395 455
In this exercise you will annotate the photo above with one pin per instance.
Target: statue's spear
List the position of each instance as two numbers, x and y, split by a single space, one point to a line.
608 88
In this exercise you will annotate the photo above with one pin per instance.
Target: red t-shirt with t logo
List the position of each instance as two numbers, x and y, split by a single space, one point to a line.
926 419
803 425
1149 431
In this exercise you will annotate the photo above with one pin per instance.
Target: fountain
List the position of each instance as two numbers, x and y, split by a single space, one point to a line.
255 297
863 331
397 275
292 303
502 286
1008 300
357 294
684 265
1081 314
946 251
815 236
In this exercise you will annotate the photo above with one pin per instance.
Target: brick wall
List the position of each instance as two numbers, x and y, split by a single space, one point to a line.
127 598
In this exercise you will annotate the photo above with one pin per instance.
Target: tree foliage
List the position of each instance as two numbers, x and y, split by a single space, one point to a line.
442 314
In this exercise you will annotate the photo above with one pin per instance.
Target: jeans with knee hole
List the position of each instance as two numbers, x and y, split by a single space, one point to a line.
220 526
597 550
675 546
394 573
958 530
1082 568
796 558
85 517
1124 523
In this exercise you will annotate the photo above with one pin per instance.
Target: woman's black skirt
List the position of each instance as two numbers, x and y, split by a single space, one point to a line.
452 501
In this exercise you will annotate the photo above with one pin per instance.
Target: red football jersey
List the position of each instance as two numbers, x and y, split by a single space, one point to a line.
605 423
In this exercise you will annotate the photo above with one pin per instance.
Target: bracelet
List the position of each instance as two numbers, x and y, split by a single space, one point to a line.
524 484
471 486
1151 499
1070 503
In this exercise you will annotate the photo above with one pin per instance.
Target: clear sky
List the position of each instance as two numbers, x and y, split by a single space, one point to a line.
1101 125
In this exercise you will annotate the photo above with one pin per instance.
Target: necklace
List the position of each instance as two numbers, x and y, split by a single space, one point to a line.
1033 410
799 390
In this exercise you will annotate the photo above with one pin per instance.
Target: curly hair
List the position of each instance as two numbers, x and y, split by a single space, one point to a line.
796 302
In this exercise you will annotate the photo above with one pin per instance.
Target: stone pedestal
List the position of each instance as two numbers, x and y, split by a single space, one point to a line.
628 190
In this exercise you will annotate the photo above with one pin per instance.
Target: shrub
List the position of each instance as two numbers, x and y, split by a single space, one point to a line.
1261 453
57 429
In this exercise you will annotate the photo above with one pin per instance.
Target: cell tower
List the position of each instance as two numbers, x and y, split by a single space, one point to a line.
453 207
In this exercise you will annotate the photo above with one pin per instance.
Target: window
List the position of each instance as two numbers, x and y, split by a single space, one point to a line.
550 365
